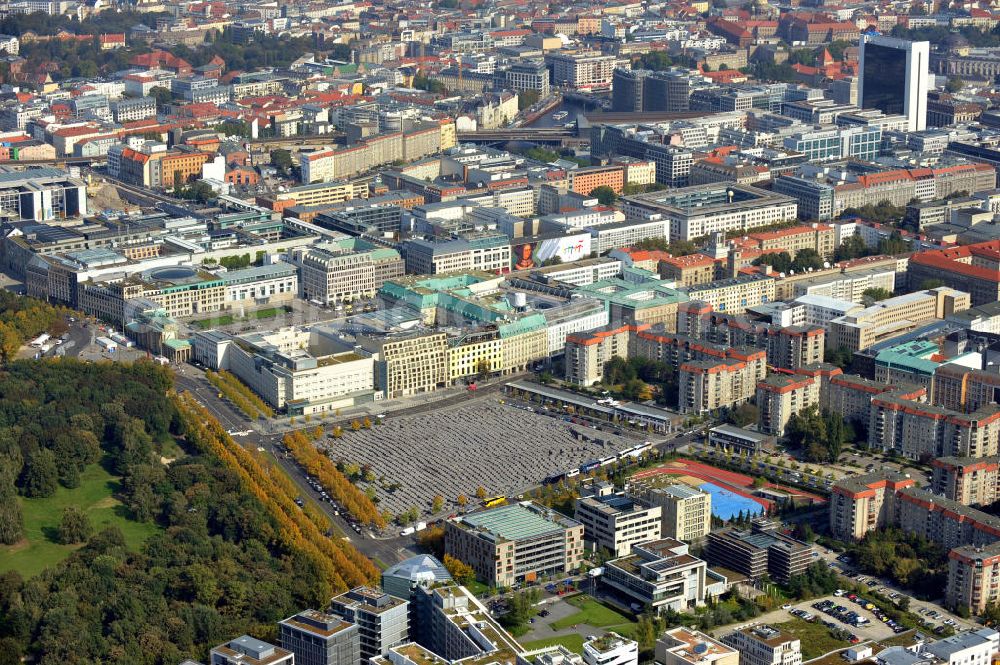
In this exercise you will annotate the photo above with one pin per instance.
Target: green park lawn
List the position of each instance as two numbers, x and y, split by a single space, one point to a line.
39 550
593 613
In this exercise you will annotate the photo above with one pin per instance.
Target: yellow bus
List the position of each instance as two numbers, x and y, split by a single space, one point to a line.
494 502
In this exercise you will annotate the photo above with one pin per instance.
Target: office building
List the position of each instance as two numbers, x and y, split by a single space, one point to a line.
268 284
301 370
686 512
382 620
894 316
317 638
41 194
615 522
423 570
247 650
515 543
409 363
610 649
700 210
973 647
660 575
781 395
895 77
456 627
345 270
761 551
764 645
683 646
626 90
483 252
524 76
738 439
974 269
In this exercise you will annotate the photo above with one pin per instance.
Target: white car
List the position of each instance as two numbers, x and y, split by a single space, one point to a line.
786 607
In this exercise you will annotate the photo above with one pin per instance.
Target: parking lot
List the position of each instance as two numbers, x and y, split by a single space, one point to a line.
478 442
871 627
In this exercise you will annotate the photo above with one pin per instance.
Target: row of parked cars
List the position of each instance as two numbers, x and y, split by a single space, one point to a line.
842 614
877 611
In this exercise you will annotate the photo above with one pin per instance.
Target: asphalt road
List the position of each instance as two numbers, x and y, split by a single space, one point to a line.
387 551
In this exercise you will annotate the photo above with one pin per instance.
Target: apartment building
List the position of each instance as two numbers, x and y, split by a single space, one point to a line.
515 543
924 431
246 650
764 645
851 396
659 575
735 295
683 646
301 370
347 269
588 70
781 395
861 504
894 316
410 145
486 252
382 620
973 577
974 269
761 551
615 522
686 512
707 385
700 210
318 638
587 353
971 481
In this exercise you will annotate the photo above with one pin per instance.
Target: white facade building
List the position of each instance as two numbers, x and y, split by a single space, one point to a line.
610 649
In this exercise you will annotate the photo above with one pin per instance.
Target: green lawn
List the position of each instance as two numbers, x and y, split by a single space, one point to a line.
592 613
573 642
902 640
815 637
226 319
205 324
41 519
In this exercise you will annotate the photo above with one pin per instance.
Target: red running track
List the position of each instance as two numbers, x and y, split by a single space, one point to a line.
730 480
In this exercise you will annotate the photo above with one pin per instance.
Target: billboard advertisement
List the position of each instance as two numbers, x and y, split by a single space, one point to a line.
537 252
